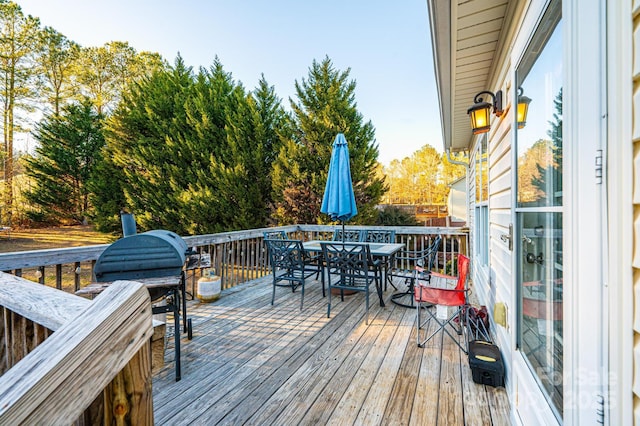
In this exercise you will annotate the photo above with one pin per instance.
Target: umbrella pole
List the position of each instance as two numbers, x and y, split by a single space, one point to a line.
343 231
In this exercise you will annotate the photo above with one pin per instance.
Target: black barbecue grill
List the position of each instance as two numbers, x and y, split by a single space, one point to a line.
151 255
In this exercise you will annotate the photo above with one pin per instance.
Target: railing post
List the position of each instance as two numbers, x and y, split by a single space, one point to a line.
128 398
59 276
77 270
40 274
59 382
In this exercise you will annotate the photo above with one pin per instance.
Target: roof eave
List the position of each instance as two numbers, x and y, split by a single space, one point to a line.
466 40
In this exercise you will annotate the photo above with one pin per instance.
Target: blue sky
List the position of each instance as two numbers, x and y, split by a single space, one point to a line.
385 43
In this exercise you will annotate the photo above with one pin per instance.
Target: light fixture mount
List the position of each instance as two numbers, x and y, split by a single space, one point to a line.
480 111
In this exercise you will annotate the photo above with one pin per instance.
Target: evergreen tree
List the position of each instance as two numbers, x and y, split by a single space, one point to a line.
252 133
69 148
209 197
106 194
326 106
549 182
195 152
396 216
145 136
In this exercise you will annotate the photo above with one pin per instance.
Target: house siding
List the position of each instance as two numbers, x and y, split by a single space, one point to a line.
636 208
601 204
494 284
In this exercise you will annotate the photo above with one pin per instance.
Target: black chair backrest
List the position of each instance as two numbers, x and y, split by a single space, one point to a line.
275 235
432 253
348 260
285 254
379 236
350 235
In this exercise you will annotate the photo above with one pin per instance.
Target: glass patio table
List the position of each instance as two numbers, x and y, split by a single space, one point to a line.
385 251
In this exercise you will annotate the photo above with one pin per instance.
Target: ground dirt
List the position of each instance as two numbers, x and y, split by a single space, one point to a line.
50 238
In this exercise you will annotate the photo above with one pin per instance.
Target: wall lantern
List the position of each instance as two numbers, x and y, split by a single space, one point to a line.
481 110
523 108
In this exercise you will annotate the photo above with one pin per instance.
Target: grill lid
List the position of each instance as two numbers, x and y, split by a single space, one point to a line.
157 253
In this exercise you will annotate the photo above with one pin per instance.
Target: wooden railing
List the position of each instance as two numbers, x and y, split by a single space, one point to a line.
236 256
66 359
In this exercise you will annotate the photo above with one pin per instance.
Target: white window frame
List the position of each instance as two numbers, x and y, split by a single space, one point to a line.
481 205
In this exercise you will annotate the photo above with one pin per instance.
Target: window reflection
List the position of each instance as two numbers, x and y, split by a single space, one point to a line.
540 163
539 208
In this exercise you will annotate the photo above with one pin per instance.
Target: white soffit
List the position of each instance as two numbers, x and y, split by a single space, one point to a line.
466 36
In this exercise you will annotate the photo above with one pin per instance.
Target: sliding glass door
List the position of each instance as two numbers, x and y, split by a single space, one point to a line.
539 208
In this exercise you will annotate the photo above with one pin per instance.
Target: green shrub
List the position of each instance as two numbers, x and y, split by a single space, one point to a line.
395 216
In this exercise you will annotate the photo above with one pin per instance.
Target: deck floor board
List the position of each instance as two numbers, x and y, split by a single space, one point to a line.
253 363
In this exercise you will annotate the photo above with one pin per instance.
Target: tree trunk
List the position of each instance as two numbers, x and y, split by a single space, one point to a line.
8 181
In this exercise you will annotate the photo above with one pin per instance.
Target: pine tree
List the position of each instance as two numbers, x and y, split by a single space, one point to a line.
57 61
252 133
145 136
326 106
106 194
18 35
69 149
208 195
195 151
549 182
105 72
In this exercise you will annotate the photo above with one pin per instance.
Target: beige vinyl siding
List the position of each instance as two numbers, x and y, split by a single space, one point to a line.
494 284
500 280
471 222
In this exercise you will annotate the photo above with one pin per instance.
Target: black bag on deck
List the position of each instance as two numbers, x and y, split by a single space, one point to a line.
486 363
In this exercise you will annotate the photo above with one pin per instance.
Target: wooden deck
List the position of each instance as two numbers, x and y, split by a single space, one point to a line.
253 363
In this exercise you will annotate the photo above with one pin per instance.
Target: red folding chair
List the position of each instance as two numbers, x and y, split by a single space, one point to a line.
436 292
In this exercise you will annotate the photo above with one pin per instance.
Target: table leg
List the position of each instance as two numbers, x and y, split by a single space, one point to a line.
379 288
183 280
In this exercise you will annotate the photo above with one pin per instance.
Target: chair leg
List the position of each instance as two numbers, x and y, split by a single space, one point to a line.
442 326
176 335
366 304
273 293
183 295
329 304
302 294
378 282
420 324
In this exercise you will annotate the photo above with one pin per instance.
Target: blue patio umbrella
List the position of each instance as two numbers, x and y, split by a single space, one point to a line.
339 201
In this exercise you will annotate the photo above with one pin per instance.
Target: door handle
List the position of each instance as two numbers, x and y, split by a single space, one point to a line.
508 238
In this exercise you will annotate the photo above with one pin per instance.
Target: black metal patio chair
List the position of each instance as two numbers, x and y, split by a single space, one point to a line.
405 268
350 267
382 236
379 236
350 235
291 267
